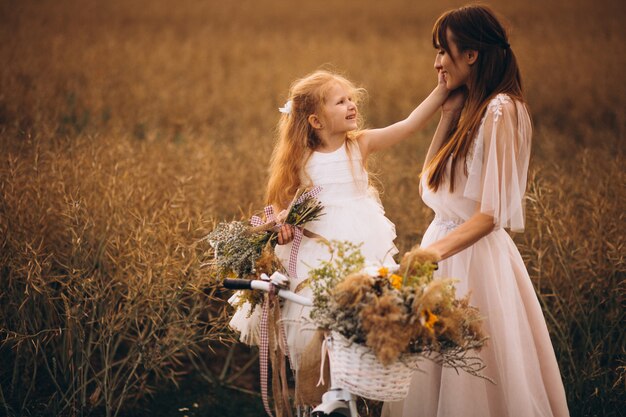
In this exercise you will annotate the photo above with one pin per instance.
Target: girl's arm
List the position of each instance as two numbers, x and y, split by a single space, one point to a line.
464 236
374 140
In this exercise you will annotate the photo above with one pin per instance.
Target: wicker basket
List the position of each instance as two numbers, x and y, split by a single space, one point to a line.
355 368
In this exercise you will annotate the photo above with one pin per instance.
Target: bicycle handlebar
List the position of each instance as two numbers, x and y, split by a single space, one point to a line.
257 284
237 284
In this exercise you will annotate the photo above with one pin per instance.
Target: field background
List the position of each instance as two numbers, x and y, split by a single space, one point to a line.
128 128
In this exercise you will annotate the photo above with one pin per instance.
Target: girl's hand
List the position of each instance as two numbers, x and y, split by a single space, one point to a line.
285 234
441 81
282 216
455 101
441 85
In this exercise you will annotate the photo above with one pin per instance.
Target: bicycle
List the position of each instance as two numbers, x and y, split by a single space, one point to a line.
337 401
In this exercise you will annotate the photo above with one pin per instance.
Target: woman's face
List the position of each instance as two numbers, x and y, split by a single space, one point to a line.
454 66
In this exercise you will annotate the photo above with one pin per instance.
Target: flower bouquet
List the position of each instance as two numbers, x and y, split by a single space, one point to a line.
244 250
382 324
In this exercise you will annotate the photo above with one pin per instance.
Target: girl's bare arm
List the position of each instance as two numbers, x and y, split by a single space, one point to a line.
375 140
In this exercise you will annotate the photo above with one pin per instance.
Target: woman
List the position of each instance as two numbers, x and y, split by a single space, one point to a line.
474 179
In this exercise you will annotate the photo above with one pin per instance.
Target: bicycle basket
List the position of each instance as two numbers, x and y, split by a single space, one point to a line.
355 368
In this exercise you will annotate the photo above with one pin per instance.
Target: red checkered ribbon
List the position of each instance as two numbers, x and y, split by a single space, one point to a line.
297 234
269 217
297 231
264 348
267 304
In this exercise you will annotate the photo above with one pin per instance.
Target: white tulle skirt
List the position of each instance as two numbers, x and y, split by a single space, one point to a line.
245 321
361 221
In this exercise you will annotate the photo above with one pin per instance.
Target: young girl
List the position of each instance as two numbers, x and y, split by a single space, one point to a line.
320 144
474 179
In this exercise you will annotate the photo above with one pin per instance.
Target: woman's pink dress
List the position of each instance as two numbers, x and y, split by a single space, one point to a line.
519 354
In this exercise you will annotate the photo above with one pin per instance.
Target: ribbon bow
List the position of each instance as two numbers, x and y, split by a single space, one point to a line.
298 231
286 109
256 221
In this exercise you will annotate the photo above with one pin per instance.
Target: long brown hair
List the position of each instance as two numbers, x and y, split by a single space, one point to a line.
296 137
495 71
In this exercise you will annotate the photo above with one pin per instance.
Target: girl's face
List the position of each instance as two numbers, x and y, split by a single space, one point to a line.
339 112
454 66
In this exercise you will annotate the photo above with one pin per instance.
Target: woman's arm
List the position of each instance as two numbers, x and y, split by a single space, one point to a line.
464 236
375 140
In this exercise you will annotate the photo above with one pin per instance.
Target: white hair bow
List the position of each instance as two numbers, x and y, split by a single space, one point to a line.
287 107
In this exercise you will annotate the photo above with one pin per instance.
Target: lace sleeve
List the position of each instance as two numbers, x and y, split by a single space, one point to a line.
498 167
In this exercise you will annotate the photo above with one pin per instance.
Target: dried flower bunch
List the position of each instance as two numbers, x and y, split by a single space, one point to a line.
237 246
396 314
243 251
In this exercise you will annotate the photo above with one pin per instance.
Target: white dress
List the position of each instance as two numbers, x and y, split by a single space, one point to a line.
352 212
519 354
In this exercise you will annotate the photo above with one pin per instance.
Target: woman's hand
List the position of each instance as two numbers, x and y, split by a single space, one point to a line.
416 257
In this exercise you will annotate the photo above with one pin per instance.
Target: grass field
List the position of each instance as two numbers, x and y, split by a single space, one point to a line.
127 128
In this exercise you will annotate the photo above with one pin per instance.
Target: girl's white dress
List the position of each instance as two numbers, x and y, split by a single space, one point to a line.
352 212
519 354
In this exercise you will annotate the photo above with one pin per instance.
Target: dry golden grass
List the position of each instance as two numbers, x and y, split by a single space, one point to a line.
103 292
128 127
575 250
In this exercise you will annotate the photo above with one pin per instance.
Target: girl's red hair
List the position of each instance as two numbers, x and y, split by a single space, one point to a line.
296 137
